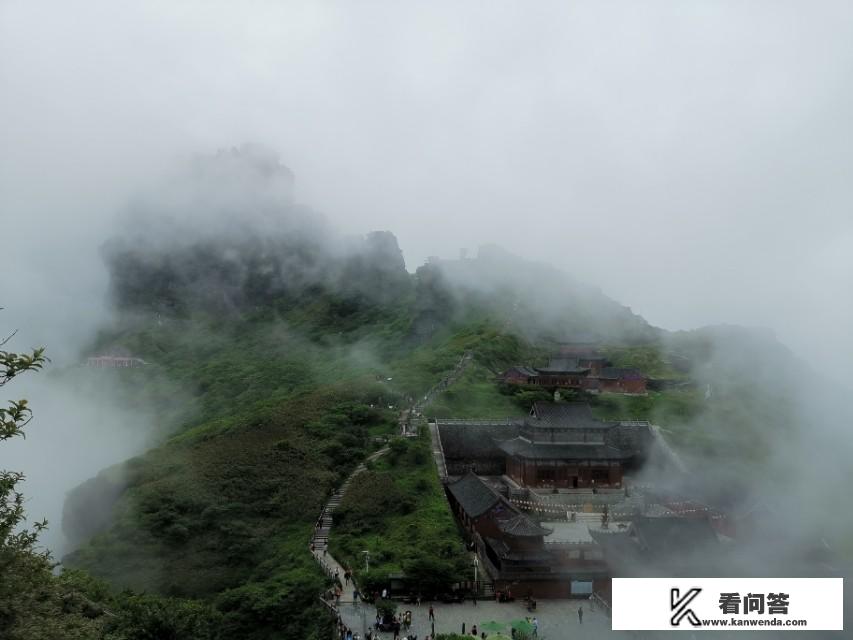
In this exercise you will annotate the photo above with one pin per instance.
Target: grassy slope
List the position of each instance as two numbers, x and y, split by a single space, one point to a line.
652 360
474 395
398 512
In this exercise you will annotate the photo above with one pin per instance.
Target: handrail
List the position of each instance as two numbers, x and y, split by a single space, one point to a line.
597 599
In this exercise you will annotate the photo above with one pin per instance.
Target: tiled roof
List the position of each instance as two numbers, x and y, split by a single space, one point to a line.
501 548
566 414
473 495
522 526
569 533
617 373
563 365
524 448
474 439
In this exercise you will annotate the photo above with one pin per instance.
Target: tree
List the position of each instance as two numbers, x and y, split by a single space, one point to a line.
12 421
34 605
13 418
150 617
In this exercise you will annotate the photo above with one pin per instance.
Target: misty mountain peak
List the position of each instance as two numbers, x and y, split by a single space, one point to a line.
249 160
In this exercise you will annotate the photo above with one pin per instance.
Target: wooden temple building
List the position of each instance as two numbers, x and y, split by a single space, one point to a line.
563 463
521 555
590 373
558 445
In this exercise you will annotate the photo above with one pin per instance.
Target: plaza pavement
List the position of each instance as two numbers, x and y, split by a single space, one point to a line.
558 619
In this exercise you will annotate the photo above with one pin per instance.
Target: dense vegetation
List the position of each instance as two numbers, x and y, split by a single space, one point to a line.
398 512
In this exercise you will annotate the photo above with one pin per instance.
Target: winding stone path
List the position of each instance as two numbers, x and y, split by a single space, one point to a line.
413 418
410 421
323 527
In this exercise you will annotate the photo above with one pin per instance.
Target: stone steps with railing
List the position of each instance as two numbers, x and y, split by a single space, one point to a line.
325 521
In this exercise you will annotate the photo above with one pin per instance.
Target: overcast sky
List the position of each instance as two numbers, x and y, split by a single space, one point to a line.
693 159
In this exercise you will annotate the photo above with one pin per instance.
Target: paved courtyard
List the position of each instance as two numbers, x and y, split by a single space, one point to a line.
558 619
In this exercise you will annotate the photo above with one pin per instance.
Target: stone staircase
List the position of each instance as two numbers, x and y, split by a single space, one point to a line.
323 526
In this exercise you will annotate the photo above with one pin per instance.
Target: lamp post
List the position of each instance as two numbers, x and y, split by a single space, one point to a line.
363 609
363 613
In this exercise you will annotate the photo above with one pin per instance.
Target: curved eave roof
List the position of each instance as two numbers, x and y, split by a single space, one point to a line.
475 496
522 526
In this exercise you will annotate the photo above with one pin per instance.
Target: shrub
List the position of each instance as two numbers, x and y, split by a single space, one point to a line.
386 608
148 617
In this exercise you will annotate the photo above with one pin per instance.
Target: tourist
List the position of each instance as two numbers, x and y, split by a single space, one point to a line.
580 614
431 614
384 594
474 631
535 624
